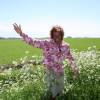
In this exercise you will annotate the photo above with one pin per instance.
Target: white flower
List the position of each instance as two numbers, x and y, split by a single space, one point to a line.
26 52
15 63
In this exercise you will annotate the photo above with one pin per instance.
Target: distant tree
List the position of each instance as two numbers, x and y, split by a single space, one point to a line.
13 38
68 37
2 38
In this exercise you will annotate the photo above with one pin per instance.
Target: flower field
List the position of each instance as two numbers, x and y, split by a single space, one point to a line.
25 81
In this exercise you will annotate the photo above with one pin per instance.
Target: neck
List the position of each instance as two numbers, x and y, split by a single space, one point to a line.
58 43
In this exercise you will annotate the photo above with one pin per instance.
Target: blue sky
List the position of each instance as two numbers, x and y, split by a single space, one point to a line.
79 18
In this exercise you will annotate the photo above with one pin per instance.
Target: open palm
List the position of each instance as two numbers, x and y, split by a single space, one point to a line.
18 29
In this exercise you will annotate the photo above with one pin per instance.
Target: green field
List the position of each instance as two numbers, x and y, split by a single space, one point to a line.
26 82
11 50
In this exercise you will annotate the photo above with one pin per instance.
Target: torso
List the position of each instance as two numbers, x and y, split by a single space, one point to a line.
53 57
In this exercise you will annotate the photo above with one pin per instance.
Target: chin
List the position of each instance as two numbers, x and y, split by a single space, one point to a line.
58 42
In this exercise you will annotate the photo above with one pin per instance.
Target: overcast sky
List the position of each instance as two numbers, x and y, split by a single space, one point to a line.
79 18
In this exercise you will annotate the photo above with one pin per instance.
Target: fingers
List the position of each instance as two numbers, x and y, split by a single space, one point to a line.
20 28
16 26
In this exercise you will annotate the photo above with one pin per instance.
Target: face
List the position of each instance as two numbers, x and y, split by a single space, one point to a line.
57 37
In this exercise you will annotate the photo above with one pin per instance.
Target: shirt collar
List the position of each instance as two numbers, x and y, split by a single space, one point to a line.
55 42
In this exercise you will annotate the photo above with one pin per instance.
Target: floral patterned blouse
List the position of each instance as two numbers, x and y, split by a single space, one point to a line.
53 54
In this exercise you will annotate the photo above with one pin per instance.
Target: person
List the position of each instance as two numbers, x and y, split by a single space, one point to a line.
55 50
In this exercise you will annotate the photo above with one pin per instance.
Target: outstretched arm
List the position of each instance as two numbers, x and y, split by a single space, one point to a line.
27 39
72 62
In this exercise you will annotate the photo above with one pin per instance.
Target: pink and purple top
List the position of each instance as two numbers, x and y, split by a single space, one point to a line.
53 54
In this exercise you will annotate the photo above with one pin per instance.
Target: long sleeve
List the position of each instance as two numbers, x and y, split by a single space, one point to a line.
71 60
34 42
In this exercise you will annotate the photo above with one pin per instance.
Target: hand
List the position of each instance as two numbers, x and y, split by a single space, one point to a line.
18 29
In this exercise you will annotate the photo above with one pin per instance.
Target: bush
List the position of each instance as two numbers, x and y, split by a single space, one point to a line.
27 82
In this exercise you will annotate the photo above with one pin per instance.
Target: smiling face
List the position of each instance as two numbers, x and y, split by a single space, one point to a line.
57 34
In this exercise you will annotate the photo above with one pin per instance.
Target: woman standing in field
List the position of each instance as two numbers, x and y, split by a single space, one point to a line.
54 51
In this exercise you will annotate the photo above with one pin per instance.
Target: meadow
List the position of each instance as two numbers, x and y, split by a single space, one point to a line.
27 82
11 50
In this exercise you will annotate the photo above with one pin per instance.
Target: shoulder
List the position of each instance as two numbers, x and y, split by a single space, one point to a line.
42 40
65 44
